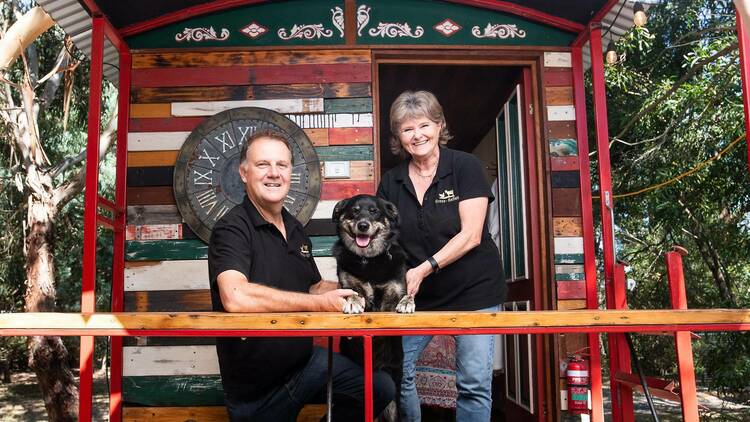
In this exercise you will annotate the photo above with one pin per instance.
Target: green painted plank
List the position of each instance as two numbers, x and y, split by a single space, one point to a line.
345 153
569 258
194 390
170 250
348 105
570 276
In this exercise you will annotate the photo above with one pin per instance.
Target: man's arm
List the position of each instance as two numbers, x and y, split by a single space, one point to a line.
239 295
323 286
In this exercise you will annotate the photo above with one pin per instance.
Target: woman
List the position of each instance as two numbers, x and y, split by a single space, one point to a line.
442 198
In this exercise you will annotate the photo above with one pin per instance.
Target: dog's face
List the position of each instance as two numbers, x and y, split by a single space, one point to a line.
366 224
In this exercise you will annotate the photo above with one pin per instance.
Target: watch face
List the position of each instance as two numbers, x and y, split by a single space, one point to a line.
206 178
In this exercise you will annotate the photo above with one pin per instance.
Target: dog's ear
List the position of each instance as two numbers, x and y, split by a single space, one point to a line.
390 211
339 208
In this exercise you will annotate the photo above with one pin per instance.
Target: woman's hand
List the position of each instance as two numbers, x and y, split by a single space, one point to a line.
414 277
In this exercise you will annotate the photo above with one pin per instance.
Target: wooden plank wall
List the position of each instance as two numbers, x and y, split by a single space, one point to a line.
327 92
566 197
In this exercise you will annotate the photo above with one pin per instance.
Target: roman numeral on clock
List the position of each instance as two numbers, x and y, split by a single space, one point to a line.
207 156
203 178
226 141
206 199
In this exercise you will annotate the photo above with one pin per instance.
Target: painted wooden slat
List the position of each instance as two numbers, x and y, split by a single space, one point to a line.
568 250
165 124
566 202
156 141
565 179
324 209
175 414
150 110
561 113
567 163
557 59
317 121
168 301
153 214
248 75
348 105
150 195
559 95
569 272
166 275
345 153
341 189
249 92
563 147
150 176
569 305
567 226
561 130
571 290
245 58
318 137
209 108
202 390
170 360
321 245
152 158
168 341
358 170
153 232
558 77
350 136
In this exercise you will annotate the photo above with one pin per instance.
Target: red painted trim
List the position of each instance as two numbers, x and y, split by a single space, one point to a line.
368 377
744 43
622 357
108 205
683 343
105 222
109 30
251 75
581 39
598 16
525 12
587 219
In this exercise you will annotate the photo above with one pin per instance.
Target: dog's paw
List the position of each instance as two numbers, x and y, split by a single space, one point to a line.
406 305
355 304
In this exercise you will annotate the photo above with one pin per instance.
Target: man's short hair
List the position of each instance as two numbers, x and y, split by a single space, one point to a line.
264 133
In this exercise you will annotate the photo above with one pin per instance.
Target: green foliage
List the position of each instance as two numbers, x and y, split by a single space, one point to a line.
664 124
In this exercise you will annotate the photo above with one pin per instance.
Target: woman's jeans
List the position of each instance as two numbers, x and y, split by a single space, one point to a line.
473 376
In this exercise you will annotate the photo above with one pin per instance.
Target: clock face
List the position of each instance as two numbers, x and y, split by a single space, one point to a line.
207 182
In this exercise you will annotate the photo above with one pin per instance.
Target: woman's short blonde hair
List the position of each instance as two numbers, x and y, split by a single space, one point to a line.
413 105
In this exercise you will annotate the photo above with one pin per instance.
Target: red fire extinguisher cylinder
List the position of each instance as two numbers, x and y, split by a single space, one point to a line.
577 376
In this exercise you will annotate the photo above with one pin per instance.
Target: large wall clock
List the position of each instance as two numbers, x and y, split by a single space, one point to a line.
206 179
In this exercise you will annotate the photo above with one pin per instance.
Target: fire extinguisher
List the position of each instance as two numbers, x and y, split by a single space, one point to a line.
577 376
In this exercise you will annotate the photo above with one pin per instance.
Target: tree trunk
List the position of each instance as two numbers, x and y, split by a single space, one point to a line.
48 356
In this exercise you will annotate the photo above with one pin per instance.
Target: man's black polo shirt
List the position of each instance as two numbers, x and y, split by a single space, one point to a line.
473 282
243 241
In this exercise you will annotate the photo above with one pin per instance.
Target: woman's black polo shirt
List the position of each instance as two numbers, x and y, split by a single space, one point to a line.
243 241
473 282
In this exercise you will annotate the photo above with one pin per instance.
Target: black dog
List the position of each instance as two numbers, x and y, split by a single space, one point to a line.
371 262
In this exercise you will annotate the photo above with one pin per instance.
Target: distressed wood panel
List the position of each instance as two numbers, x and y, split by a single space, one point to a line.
318 137
166 275
153 232
170 360
568 245
557 59
249 92
556 113
569 305
150 176
156 141
317 121
165 124
566 202
571 290
209 108
175 414
558 77
559 95
567 163
202 390
152 158
567 226
246 58
251 75
150 195
569 272
565 179
149 110
345 153
350 136
561 130
341 189
168 301
168 341
153 214
348 105
358 170
563 147
324 209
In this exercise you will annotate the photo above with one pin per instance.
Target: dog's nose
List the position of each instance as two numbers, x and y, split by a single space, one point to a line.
363 226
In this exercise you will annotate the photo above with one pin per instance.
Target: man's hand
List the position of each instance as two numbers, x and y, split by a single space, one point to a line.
334 300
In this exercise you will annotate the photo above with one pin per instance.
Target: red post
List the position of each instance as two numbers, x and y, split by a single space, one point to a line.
744 43
619 350
368 378
683 345
118 258
88 283
587 218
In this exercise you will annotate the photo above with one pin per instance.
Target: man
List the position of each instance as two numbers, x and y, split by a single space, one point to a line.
260 260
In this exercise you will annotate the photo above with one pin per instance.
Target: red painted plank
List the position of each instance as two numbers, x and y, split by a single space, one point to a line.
558 78
571 289
341 190
350 136
566 202
564 163
166 124
251 75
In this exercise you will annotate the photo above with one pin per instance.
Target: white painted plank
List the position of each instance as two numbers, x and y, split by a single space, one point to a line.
557 59
320 121
170 360
156 141
568 245
561 113
327 267
168 275
324 209
209 108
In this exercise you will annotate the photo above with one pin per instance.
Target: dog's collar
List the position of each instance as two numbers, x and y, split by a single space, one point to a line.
363 259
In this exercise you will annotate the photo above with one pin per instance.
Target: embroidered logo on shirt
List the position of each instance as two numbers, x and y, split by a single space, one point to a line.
446 196
304 250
